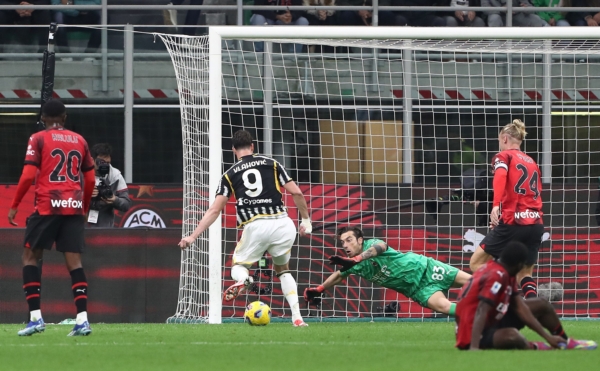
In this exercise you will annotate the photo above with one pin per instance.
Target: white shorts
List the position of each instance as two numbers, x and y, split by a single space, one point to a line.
273 235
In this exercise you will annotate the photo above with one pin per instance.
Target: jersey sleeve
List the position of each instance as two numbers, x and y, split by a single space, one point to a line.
492 287
357 269
34 151
282 174
224 188
374 242
500 161
88 161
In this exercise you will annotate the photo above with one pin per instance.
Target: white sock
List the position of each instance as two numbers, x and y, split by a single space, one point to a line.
290 291
239 273
81 318
34 315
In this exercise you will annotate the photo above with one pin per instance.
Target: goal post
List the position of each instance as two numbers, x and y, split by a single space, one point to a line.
374 123
214 173
201 274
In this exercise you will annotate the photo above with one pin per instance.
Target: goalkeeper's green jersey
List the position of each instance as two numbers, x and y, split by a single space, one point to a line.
397 271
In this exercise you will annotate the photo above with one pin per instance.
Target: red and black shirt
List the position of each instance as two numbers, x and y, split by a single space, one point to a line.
517 188
491 284
61 156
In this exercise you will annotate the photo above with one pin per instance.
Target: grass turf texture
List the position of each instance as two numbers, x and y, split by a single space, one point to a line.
279 346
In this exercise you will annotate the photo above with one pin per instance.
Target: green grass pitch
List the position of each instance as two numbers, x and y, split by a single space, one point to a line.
279 346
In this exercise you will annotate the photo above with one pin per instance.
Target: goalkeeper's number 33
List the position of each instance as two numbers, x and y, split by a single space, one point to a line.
438 273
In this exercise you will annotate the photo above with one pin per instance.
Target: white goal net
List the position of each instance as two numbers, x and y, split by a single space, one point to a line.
395 135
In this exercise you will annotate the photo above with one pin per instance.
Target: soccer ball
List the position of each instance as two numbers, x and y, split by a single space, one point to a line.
257 314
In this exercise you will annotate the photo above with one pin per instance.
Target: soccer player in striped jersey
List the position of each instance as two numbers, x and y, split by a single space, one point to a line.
518 191
60 162
256 181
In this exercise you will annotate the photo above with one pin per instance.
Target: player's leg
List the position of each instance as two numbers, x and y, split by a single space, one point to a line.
544 312
440 303
283 238
510 338
288 287
478 259
506 335
491 246
70 241
39 235
32 287
79 287
438 300
531 236
437 279
528 285
241 275
462 277
249 249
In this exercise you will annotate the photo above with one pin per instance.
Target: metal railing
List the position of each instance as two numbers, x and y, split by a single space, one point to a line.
240 7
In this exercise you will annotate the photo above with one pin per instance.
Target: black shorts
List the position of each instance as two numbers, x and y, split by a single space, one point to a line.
67 231
530 235
510 320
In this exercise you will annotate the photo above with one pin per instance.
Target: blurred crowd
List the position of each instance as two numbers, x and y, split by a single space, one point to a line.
491 17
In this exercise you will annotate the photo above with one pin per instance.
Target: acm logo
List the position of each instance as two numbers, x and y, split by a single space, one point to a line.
144 218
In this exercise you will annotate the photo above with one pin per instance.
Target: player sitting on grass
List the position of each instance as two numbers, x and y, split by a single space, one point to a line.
491 310
416 276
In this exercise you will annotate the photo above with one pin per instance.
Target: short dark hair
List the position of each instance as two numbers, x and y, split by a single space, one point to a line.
514 254
101 149
241 139
358 233
53 108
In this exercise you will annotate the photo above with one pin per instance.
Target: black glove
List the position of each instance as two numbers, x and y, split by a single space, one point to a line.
345 263
313 295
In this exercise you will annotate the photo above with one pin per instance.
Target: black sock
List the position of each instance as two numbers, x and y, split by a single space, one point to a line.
560 332
80 289
528 287
32 286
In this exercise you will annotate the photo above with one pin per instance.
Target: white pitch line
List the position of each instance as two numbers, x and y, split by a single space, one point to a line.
335 343
236 343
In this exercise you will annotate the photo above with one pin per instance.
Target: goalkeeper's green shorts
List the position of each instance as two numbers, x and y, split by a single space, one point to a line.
438 277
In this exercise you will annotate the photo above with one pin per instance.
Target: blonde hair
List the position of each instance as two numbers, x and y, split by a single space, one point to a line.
515 129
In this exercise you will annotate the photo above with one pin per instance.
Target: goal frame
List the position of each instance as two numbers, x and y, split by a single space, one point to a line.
217 34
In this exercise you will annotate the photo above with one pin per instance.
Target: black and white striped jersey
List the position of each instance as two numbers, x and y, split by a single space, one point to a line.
255 183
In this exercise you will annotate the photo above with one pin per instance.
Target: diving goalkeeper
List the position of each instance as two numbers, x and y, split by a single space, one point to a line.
415 276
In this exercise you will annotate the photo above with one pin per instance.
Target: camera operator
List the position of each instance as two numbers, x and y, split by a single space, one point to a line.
476 189
110 191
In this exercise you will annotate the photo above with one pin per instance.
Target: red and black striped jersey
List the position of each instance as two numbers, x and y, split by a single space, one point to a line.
491 284
61 156
522 197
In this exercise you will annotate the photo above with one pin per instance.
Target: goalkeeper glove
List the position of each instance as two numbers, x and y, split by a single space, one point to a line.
345 263
313 295
307 225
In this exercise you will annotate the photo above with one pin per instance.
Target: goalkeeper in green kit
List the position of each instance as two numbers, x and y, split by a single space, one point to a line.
415 276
